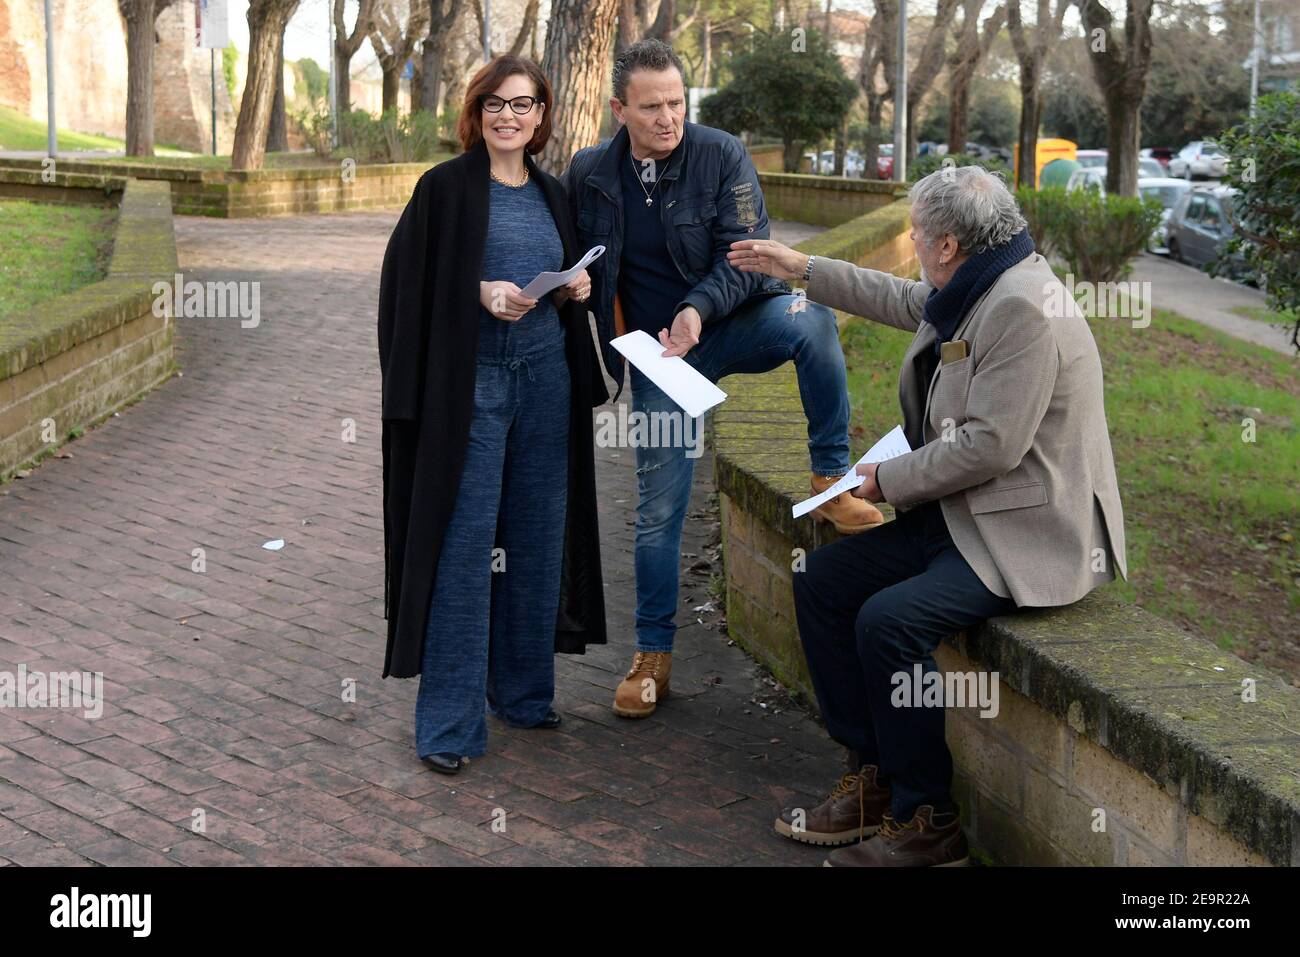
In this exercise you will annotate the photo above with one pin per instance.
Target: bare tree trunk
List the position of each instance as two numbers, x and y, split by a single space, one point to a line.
874 57
342 82
394 43
1031 49
345 47
417 80
791 154
443 15
962 64
958 113
875 136
578 43
266 23
1121 73
392 87
526 27
140 16
1123 135
277 132
629 28
922 76
1031 115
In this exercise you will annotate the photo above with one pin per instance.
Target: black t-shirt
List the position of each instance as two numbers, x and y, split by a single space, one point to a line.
649 284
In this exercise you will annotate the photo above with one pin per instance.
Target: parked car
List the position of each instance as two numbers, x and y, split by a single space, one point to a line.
885 161
1161 154
1149 167
1200 225
1087 177
1168 191
1199 158
854 163
1091 158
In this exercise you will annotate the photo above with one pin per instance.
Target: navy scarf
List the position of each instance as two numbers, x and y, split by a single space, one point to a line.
947 307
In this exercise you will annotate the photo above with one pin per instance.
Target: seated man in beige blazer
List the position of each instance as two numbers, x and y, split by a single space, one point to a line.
1008 499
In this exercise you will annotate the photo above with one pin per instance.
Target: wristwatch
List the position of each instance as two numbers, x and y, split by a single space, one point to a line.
807 270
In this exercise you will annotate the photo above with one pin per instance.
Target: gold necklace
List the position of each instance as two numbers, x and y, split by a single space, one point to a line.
506 182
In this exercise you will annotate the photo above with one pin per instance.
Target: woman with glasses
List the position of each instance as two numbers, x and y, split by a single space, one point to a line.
492 560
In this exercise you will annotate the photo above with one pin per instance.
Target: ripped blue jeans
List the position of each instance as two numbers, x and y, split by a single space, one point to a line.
758 337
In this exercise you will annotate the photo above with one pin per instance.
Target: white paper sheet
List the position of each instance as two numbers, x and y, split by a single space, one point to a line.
547 281
690 390
891 446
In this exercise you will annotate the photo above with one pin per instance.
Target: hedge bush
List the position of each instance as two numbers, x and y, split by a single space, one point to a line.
1096 236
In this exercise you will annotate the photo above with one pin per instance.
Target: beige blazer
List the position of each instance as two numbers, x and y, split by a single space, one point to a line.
1017 450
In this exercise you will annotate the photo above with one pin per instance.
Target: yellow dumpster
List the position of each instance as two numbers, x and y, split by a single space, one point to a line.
1044 152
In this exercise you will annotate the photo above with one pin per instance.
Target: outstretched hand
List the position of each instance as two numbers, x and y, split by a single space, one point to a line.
768 257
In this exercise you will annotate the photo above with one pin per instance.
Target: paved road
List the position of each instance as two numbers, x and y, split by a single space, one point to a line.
1192 293
223 687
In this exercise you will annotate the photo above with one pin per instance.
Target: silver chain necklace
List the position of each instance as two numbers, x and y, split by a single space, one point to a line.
649 200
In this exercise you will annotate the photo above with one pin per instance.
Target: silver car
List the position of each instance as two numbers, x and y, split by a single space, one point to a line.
1201 225
1200 158
1168 191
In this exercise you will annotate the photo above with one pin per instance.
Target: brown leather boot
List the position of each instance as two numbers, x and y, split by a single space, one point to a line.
646 683
918 843
846 513
852 812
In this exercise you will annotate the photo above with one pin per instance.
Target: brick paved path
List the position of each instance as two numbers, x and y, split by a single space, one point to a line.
223 688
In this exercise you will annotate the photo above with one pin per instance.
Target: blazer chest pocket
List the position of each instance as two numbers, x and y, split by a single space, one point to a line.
1007 497
951 389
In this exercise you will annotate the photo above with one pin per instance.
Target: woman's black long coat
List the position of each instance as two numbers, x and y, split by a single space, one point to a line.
428 342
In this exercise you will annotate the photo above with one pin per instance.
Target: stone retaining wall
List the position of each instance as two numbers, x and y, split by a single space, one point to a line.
75 359
823 200
1119 739
270 192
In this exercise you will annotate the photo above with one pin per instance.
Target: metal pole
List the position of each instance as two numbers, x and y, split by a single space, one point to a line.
334 90
52 140
1254 63
487 35
212 66
900 98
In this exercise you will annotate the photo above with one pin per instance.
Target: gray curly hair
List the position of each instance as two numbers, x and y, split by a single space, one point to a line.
969 202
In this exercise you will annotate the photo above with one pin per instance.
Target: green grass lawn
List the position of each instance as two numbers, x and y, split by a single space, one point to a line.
295 160
1269 316
19 132
1210 519
220 161
47 250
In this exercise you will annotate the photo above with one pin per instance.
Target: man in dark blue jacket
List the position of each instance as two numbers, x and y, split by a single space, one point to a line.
667 198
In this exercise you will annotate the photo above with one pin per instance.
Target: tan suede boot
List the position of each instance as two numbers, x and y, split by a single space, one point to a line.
846 513
646 683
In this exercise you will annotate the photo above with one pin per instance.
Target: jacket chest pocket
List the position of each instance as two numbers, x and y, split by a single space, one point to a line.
951 390
593 225
693 224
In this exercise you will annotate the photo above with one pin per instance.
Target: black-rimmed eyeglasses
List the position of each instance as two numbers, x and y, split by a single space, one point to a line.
520 104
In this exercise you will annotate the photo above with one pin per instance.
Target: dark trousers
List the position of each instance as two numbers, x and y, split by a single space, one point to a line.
870 606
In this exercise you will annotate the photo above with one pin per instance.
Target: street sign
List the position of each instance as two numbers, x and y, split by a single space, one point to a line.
211 24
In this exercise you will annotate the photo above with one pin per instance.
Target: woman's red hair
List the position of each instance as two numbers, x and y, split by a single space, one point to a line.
486 80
